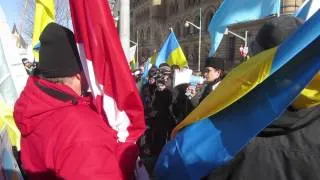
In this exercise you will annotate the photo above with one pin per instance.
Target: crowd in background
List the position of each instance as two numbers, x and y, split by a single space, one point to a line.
166 102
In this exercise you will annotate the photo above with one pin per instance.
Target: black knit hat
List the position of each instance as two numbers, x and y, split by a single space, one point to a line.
272 33
215 62
58 54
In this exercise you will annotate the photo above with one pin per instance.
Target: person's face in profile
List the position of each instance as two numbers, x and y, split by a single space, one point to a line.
28 65
210 74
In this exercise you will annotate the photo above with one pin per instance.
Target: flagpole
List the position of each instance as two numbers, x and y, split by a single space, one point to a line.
138 48
199 54
125 26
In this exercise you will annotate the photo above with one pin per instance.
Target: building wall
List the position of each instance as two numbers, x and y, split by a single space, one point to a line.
151 20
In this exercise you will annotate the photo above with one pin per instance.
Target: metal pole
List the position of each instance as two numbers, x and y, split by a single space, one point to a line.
246 39
137 48
243 38
125 26
199 54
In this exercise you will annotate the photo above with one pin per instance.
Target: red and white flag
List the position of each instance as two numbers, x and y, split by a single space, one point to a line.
107 71
107 68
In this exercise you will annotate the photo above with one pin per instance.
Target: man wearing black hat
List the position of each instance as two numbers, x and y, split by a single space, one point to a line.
289 148
62 136
213 73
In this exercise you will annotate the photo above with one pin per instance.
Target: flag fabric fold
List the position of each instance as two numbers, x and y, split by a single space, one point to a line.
249 74
44 14
231 12
284 72
307 9
107 69
171 52
310 95
111 83
144 77
6 120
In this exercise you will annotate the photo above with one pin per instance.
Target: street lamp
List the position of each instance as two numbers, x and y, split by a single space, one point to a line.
187 24
245 39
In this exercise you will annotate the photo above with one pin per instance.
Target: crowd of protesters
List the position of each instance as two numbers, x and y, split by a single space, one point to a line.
167 103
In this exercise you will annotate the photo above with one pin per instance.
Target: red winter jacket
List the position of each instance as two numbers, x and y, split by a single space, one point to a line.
62 136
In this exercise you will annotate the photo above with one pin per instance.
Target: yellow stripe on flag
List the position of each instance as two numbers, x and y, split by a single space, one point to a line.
7 122
153 58
44 14
310 96
235 85
177 57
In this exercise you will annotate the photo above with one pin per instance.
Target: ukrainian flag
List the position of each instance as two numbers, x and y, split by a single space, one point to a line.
153 58
44 14
171 52
7 123
246 101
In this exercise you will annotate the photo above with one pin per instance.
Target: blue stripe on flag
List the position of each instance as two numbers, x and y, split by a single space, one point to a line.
308 8
144 77
168 47
304 10
298 41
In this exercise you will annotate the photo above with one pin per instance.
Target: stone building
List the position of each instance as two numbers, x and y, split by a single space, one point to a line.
151 20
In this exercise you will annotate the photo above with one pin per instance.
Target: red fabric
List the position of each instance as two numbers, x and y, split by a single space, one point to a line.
63 140
94 28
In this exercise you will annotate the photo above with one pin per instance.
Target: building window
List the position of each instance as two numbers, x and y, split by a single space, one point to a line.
148 33
177 29
197 22
186 30
231 46
141 35
176 7
149 52
186 51
191 29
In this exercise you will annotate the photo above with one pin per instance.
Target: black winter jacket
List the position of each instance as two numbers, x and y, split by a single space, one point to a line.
289 149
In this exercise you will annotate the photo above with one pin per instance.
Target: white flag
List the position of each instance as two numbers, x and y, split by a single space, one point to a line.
132 53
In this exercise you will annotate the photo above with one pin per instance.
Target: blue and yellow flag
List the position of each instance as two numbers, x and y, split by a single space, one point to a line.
44 14
249 98
307 9
171 52
153 58
7 122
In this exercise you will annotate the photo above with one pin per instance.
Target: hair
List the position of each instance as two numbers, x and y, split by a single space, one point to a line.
174 66
63 80
24 59
164 64
222 74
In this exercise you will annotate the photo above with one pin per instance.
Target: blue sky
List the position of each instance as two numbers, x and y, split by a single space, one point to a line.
12 9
